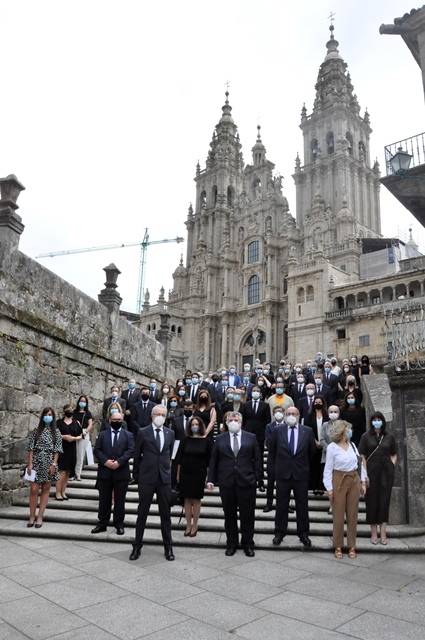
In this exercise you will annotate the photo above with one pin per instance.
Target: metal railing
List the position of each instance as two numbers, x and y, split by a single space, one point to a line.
338 314
414 146
405 334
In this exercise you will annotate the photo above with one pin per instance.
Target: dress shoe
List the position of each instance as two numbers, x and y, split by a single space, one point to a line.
120 531
306 541
99 528
168 553
135 553
277 540
249 551
230 551
268 508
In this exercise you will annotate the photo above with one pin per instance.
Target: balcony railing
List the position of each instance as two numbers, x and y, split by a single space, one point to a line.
338 314
414 146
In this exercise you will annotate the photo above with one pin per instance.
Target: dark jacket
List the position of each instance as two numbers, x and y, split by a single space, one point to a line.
152 466
285 464
256 422
134 397
124 451
107 403
225 470
141 417
271 427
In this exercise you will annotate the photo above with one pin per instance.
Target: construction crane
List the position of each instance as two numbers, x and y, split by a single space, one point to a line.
144 244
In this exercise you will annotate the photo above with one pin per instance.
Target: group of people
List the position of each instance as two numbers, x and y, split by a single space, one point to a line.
212 430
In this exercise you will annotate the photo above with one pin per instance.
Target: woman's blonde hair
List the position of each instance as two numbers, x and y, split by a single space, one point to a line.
114 405
339 428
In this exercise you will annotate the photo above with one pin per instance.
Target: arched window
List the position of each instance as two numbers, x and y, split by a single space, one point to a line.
310 293
330 144
349 139
179 331
314 149
254 290
230 196
253 251
339 303
300 294
203 199
214 195
154 327
148 327
173 328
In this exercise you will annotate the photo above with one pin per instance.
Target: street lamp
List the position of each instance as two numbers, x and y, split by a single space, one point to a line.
400 162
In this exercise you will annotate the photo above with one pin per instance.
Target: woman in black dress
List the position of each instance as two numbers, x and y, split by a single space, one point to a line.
315 419
365 367
379 451
355 414
194 457
206 411
85 418
71 433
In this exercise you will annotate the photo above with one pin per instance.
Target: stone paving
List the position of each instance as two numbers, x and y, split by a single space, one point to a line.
67 590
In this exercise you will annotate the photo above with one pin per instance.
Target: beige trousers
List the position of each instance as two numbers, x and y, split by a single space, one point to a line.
346 496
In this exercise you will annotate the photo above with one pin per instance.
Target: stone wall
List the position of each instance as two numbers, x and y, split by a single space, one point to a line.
56 343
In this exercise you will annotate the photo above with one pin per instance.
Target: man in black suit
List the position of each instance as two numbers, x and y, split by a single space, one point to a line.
235 467
113 449
297 390
331 381
114 397
324 390
141 412
131 395
305 403
152 471
255 416
271 427
291 449
154 392
178 425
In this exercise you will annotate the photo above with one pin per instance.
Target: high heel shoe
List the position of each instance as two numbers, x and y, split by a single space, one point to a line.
65 497
193 532
187 532
30 524
38 525
59 498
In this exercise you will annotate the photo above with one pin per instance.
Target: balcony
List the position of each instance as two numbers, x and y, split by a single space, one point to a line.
407 184
339 314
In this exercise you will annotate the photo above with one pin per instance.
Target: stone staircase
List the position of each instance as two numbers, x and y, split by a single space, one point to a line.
73 519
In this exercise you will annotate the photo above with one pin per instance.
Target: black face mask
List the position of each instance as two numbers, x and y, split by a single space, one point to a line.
145 396
203 398
116 425
69 414
187 413
319 406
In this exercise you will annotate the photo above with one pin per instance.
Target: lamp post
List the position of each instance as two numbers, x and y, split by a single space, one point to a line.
400 162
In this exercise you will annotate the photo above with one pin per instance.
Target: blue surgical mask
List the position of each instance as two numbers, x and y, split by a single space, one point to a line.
229 397
327 369
195 380
114 411
189 381
153 385
131 385
194 428
351 401
255 395
47 419
82 405
349 433
224 384
377 424
173 404
232 370
279 390
114 396
182 393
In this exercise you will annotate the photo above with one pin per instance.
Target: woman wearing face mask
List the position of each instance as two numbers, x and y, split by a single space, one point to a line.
71 433
205 410
266 387
355 368
85 418
315 419
164 393
174 410
44 447
355 414
194 457
326 435
344 486
351 386
379 451
366 368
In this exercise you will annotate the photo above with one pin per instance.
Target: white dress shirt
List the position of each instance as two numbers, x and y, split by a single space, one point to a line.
161 435
113 432
339 459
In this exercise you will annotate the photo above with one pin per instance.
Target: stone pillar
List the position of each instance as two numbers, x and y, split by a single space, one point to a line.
163 336
206 346
109 297
224 340
11 225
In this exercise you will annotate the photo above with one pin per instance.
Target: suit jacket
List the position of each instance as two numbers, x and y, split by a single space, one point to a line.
226 470
134 397
285 464
271 427
103 451
177 425
331 381
155 396
108 401
303 405
237 381
256 422
328 393
141 416
152 466
295 394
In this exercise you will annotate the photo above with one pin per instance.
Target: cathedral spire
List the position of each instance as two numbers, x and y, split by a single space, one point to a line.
258 150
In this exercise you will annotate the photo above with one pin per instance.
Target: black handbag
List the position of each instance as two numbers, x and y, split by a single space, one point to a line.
176 497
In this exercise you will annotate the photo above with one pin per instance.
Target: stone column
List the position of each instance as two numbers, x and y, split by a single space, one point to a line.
109 297
164 337
206 346
11 225
224 339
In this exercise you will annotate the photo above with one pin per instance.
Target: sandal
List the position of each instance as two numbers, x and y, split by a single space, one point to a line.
193 532
384 541
352 554
374 540
65 497
338 553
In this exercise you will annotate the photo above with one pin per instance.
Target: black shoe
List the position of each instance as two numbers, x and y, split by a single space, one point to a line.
277 540
261 487
230 551
99 528
135 554
249 551
306 541
169 555
268 508
120 531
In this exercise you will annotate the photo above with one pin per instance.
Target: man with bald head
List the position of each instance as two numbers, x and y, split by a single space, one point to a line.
291 449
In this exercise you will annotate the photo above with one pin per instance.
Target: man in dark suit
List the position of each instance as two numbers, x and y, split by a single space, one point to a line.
131 395
235 467
114 397
152 471
141 412
324 390
291 449
114 448
305 403
331 381
297 390
154 392
271 427
255 416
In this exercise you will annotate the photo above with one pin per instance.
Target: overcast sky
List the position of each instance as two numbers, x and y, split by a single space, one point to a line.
106 106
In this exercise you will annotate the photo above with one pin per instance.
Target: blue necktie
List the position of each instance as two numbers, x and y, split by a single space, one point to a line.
292 441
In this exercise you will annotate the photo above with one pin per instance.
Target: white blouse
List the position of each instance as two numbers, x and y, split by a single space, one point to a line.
339 459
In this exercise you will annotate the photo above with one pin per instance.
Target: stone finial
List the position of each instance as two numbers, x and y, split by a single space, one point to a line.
109 297
161 298
10 222
198 168
146 303
297 163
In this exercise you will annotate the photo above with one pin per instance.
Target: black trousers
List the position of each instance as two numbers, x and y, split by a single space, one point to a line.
107 489
270 483
242 498
163 495
283 492
261 447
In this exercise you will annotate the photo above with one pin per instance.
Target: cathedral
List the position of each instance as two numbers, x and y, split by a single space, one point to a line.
259 282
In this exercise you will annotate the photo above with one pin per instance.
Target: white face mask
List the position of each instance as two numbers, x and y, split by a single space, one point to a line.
255 395
159 421
333 415
310 392
300 380
234 426
278 416
291 420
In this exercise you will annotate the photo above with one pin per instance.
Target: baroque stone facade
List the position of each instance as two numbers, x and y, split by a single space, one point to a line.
259 282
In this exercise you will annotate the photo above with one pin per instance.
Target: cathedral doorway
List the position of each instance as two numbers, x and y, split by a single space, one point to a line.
253 346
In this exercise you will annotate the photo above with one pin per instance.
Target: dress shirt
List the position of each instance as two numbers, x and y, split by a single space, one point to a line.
296 433
255 405
319 422
113 432
161 435
193 390
239 437
232 380
339 459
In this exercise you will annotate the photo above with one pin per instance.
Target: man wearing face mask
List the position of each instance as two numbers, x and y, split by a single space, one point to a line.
291 449
131 397
194 388
255 416
154 392
305 404
152 471
322 389
235 467
114 397
142 411
279 399
331 381
277 423
113 450
234 378
298 390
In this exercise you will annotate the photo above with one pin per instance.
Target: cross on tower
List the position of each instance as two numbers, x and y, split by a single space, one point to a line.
331 17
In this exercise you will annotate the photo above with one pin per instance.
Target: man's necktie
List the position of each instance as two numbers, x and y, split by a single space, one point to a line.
255 406
114 441
235 445
157 438
292 441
